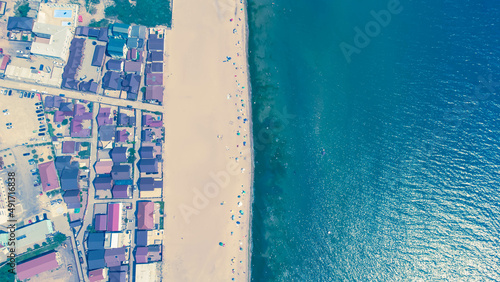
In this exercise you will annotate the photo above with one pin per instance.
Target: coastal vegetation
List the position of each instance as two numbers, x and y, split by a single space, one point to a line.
150 13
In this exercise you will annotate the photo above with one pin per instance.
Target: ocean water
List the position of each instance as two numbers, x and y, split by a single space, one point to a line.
385 167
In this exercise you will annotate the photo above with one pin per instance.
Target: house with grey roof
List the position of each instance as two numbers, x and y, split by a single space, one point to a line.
112 81
119 154
148 165
103 183
69 179
120 172
99 54
95 259
106 132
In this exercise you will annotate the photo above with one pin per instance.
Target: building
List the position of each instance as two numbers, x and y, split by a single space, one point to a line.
69 179
114 217
100 222
119 30
68 147
131 84
120 172
103 167
154 93
72 199
5 62
115 257
147 272
147 152
48 176
103 117
103 183
99 54
138 31
121 135
114 65
88 86
2 7
120 192
155 56
119 154
107 132
155 43
148 254
20 24
145 215
98 275
131 66
125 120
35 266
35 233
148 165
147 135
112 81
149 120
154 78
95 241
51 41
117 48
95 259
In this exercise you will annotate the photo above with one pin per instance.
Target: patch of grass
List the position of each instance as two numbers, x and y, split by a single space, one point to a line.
162 205
161 223
150 13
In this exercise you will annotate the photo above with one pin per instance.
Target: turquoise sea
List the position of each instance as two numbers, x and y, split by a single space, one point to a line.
383 165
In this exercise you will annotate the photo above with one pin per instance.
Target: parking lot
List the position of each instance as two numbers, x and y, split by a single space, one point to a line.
21 119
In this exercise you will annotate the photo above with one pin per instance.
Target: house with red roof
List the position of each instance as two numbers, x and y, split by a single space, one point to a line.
48 176
37 265
114 221
145 215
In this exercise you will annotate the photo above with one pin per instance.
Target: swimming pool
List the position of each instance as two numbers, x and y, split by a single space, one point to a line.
62 13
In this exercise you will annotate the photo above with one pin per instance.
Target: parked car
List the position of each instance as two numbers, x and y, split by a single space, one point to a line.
41 129
33 170
38 103
10 92
41 67
9 123
21 95
26 94
41 134
26 154
38 111
32 95
40 115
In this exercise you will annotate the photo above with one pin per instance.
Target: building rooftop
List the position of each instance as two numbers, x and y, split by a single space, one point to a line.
51 40
99 54
114 217
95 259
115 257
34 233
155 93
48 176
103 183
20 23
145 215
100 222
119 154
37 265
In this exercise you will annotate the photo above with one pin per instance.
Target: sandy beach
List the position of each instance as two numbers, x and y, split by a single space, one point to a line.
208 158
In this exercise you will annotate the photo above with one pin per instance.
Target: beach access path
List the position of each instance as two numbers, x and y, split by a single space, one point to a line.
208 157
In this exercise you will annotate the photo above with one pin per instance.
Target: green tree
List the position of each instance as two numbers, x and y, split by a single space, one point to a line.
22 10
64 122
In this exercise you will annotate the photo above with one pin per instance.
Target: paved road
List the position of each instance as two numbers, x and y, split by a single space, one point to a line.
89 210
18 85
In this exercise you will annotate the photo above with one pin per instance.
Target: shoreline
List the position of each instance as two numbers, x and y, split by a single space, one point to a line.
250 114
209 158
